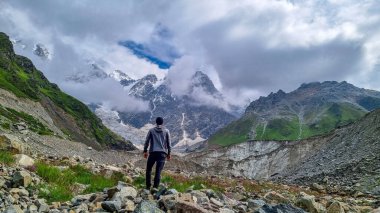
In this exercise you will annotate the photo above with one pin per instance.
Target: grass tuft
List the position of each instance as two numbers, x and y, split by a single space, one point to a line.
59 183
6 158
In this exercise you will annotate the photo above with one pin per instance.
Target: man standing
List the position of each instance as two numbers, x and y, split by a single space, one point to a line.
158 141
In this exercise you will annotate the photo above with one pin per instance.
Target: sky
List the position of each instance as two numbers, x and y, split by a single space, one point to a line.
249 48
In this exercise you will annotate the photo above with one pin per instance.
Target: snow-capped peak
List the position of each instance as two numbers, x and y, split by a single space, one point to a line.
120 75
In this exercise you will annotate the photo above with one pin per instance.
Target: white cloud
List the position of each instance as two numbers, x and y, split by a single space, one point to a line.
250 47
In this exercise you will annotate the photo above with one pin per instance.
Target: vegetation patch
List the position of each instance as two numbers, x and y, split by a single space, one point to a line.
14 116
235 132
182 183
60 183
6 157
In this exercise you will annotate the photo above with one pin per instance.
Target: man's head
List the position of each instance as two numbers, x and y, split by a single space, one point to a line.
159 121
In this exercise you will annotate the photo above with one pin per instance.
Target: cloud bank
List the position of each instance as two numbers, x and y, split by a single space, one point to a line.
249 48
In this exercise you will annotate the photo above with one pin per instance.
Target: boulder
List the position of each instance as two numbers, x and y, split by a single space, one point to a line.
13 209
112 205
307 202
21 178
216 202
129 206
274 198
24 160
225 210
200 196
42 206
124 193
20 192
335 207
255 203
184 206
317 187
80 198
283 208
147 206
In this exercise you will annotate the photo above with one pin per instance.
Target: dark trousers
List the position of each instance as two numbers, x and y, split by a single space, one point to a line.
157 158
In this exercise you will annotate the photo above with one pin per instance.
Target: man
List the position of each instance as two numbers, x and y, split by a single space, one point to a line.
158 141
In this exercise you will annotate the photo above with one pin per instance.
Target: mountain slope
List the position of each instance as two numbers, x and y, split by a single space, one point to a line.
190 117
19 76
348 156
312 109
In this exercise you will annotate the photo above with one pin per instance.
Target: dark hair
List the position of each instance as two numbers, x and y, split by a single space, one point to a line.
159 121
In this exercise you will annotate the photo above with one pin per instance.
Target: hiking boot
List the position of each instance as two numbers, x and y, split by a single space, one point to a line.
153 190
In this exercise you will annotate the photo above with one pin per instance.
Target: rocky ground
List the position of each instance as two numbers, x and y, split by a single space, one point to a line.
220 194
18 194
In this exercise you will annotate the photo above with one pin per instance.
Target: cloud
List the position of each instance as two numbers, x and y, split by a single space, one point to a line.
249 48
114 97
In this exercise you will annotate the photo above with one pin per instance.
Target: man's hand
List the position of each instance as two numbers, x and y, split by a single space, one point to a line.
169 157
145 155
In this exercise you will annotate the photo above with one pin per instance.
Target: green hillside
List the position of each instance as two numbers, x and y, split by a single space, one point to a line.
19 76
300 114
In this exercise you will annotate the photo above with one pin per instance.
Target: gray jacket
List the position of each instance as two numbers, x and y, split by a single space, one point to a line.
158 140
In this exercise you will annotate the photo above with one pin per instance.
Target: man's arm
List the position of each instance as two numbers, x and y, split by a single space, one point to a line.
168 143
146 145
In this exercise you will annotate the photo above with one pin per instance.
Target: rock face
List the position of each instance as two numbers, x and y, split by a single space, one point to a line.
256 159
312 109
348 156
189 119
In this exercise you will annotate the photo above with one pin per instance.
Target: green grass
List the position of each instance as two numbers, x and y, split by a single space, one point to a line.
335 115
5 125
181 183
6 157
279 129
60 183
235 132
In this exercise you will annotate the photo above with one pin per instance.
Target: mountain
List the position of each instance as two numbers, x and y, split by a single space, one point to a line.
347 156
188 118
312 109
28 97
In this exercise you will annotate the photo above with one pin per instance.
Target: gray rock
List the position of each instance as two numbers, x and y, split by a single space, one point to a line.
216 202
32 208
13 209
147 207
21 192
129 206
24 160
81 208
42 206
80 198
225 210
171 191
21 178
283 208
242 208
112 206
255 203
